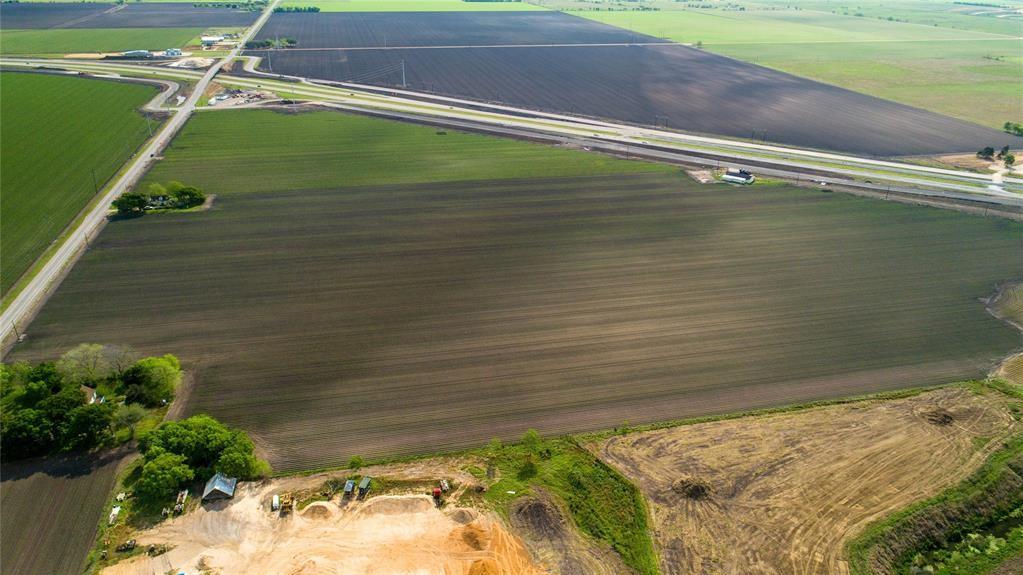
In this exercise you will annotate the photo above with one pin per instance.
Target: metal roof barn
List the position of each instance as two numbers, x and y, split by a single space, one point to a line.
219 486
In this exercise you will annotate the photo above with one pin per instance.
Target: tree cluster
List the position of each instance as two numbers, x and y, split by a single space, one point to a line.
297 9
1003 154
173 195
195 448
254 6
78 402
1013 128
272 43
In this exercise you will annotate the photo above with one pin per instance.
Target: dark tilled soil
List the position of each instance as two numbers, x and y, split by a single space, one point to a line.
30 15
670 85
396 29
51 508
133 15
420 318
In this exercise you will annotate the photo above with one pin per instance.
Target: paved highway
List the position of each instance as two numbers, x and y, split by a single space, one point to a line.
16 315
651 143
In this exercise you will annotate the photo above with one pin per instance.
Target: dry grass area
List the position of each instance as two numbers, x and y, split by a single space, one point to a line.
1008 304
1012 369
782 493
384 534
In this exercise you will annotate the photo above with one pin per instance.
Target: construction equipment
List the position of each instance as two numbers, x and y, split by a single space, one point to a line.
287 502
349 489
437 496
275 503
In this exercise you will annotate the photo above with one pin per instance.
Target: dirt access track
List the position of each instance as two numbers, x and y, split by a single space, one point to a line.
388 534
783 493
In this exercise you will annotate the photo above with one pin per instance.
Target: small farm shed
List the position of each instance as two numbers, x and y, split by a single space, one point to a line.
219 486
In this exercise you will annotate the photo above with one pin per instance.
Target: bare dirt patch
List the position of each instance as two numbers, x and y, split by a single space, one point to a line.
788 490
385 534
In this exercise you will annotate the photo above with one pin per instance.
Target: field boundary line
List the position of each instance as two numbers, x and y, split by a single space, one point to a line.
458 46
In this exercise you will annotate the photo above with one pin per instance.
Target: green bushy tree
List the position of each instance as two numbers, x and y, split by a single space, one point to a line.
162 476
151 381
131 203
207 446
25 433
189 196
129 416
88 426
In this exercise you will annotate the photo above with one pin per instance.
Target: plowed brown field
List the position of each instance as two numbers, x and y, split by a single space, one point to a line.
414 318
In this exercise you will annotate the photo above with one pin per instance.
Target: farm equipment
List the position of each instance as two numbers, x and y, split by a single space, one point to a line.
349 489
364 486
275 503
438 498
127 546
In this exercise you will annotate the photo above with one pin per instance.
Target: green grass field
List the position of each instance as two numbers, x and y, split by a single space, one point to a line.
56 132
966 73
67 41
411 5
347 150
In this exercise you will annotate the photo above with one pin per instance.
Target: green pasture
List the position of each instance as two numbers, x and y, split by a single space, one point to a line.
962 73
411 6
348 150
770 27
72 40
933 13
977 81
56 132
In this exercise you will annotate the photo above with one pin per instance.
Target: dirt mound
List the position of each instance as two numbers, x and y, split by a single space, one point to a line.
541 517
485 567
315 511
691 487
475 537
463 516
939 417
398 505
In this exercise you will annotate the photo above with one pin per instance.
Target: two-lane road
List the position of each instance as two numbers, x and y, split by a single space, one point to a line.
16 315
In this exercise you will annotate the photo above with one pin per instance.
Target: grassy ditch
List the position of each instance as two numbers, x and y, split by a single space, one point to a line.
602 503
986 498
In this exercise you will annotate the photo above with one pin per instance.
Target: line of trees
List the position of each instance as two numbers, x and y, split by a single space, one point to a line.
78 402
178 452
252 6
173 195
272 43
297 9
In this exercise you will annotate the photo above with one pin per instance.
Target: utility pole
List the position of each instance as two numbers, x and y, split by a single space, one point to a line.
17 334
95 186
149 124
403 73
